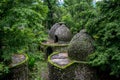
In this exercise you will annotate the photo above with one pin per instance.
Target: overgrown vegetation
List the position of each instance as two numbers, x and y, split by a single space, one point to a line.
105 28
78 14
21 27
102 23
23 23
38 67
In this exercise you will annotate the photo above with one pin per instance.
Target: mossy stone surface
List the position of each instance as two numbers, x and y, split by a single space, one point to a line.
80 46
18 68
49 48
60 33
53 29
63 34
62 68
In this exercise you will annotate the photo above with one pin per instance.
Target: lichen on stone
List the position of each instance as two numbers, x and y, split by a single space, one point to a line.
18 59
53 29
62 68
63 34
60 60
80 46
60 33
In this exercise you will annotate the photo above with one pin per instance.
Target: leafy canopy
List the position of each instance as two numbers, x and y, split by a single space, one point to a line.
105 28
20 25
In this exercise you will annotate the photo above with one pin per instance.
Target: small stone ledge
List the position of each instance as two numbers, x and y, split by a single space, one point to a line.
52 44
50 47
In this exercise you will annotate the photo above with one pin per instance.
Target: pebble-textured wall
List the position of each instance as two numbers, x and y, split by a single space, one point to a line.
80 46
60 33
61 68
63 34
53 29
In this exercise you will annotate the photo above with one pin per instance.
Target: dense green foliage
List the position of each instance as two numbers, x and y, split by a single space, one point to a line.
54 12
39 69
78 14
105 28
102 23
21 27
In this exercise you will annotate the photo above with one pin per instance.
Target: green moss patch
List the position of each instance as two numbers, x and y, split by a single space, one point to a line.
53 44
71 62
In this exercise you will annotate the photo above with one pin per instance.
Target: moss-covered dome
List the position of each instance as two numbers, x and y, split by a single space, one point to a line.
60 33
80 46
63 34
53 29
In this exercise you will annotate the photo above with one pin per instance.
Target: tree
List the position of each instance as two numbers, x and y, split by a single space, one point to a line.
20 26
105 28
79 12
54 12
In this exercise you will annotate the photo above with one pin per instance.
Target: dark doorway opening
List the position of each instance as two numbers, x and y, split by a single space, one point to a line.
49 51
56 39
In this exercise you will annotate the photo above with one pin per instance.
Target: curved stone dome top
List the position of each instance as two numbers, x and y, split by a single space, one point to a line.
60 33
80 46
63 34
53 29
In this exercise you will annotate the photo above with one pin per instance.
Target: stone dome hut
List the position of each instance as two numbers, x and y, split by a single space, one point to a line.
60 33
80 46
53 29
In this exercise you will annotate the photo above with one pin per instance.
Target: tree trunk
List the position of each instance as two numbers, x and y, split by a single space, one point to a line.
50 14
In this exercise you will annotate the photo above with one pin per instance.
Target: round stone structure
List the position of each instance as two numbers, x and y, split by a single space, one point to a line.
60 33
80 46
53 29
18 68
62 68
